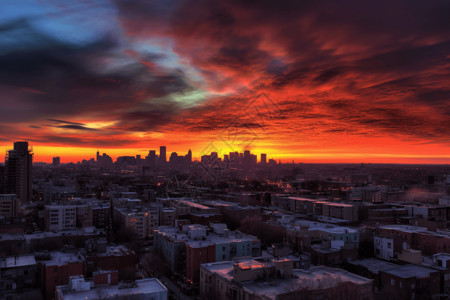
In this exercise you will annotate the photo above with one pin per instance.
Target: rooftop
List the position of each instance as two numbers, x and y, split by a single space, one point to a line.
17 261
75 232
374 265
324 227
61 258
408 271
211 238
318 277
141 287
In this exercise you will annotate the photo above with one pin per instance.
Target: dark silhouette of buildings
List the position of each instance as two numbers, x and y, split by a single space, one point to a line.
56 161
162 155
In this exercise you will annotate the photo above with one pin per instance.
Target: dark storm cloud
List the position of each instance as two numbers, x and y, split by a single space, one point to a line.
65 122
69 79
361 65
77 127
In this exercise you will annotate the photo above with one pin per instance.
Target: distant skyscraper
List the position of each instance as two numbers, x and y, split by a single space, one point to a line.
18 164
189 156
263 158
162 154
173 158
151 158
57 161
247 158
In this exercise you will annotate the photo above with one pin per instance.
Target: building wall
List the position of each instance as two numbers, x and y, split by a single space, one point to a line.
101 217
9 205
58 275
111 277
383 247
16 279
173 252
393 287
195 256
125 263
60 217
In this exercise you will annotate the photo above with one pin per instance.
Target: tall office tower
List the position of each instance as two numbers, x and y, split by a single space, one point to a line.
263 158
189 156
247 158
56 161
162 155
18 164
151 158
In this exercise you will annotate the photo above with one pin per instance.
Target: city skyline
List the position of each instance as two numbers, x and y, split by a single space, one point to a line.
56 160
313 82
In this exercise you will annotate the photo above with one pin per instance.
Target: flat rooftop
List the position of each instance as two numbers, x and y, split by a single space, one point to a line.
61 258
331 228
374 265
143 287
17 261
408 271
317 277
211 238
320 277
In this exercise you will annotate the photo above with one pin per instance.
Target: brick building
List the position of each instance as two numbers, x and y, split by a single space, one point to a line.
55 268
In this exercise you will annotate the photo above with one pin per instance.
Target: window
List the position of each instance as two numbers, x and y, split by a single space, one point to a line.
389 245
392 281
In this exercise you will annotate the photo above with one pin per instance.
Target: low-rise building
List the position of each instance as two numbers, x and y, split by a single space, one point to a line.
18 274
196 244
9 205
260 279
78 288
55 268
143 220
60 217
113 257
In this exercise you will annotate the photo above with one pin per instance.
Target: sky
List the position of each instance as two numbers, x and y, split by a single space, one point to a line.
309 81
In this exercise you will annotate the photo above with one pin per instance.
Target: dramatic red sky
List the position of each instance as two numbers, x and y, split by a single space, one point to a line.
311 81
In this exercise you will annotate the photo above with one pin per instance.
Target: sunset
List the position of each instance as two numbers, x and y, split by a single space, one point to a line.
305 81
224 149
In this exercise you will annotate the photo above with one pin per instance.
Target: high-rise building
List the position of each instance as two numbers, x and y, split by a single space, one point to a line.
162 155
189 156
151 158
263 158
18 165
56 161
